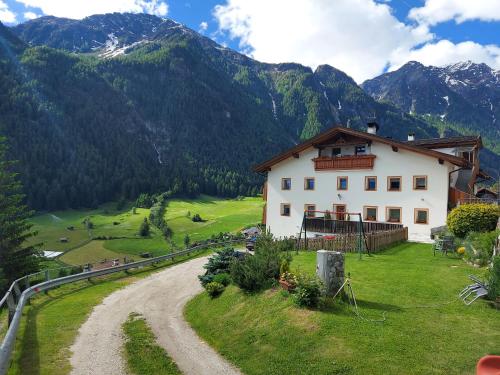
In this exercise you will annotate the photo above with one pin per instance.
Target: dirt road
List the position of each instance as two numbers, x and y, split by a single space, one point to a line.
160 298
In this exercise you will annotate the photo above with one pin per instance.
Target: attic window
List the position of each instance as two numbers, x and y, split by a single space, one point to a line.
360 150
336 151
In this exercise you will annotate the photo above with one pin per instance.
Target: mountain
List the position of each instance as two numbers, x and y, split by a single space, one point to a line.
121 104
463 97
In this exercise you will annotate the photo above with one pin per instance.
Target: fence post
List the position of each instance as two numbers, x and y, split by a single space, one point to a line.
11 304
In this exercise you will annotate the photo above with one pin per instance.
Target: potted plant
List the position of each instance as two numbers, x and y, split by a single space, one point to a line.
288 281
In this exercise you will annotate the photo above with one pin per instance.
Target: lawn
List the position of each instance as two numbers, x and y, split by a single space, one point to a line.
51 321
219 215
427 329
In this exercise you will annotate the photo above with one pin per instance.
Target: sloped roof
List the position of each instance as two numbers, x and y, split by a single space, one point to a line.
466 140
324 136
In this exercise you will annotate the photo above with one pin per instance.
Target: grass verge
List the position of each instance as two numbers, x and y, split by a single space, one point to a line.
427 331
143 354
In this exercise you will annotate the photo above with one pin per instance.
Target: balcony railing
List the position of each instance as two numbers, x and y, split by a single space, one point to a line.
324 163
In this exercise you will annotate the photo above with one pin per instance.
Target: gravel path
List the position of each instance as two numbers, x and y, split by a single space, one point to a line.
160 298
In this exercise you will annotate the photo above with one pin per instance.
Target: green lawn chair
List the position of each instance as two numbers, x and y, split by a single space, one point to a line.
444 245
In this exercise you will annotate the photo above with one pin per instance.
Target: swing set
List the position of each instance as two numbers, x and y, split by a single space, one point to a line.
342 225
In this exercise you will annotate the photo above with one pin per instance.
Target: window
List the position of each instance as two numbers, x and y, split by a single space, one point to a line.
393 183
421 216
370 213
393 214
360 150
286 183
342 183
339 210
309 183
419 182
285 209
468 155
336 151
310 210
370 183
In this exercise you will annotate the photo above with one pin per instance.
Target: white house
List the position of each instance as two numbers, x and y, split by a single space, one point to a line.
412 183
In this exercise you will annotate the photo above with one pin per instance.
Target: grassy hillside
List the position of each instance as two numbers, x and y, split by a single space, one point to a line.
427 331
121 227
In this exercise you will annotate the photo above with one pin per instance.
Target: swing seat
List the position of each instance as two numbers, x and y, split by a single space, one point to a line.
488 365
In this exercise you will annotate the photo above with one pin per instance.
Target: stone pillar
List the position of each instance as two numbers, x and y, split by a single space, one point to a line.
330 269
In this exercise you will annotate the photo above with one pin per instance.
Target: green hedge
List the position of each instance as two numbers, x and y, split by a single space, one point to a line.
473 218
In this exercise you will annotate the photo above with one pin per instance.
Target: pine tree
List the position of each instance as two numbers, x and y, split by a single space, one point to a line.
16 257
144 229
187 240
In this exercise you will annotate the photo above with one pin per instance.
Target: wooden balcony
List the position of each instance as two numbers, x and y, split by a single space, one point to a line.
324 163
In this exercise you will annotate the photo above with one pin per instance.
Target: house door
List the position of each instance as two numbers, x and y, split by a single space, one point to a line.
339 210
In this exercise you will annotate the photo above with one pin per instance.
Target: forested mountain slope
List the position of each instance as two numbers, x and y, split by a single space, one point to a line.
122 104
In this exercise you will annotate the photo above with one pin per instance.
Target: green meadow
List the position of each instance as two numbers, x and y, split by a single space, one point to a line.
115 232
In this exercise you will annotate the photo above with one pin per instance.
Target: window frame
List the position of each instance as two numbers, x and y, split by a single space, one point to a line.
366 183
415 182
346 183
336 214
282 205
306 210
389 183
415 215
283 179
365 213
305 183
387 215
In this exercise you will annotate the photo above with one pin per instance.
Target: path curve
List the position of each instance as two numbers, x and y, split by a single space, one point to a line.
160 298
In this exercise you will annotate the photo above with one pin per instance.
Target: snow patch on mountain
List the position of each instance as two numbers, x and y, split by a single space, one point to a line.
447 99
275 114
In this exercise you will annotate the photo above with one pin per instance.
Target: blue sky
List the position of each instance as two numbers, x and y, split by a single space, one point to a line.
361 37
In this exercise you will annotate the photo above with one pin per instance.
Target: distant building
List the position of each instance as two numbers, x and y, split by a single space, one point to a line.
341 170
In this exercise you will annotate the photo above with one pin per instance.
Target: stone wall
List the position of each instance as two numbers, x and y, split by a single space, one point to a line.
330 268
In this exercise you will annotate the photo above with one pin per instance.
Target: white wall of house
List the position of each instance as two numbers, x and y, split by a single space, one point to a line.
387 163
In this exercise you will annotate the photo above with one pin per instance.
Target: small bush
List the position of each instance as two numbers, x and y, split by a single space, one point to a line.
219 263
222 278
197 218
479 247
214 289
494 279
473 218
308 291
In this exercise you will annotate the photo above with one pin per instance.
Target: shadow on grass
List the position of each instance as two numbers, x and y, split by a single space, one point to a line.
343 307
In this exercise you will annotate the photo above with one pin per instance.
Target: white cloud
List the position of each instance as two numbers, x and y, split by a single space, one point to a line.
356 36
82 8
437 11
31 15
203 27
445 52
6 15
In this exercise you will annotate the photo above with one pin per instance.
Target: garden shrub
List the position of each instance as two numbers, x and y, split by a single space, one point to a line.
217 264
494 279
214 289
308 290
479 247
197 218
222 278
253 273
473 218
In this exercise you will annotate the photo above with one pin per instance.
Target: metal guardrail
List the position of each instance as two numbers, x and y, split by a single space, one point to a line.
14 293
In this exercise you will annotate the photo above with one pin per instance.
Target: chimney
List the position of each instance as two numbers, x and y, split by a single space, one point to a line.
411 137
372 127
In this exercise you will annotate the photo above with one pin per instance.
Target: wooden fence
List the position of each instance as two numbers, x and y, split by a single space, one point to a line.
323 225
348 243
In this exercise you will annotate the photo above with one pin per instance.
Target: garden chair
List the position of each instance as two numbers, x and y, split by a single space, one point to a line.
444 245
473 291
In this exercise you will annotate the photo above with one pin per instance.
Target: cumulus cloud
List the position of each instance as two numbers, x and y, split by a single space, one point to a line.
30 15
445 52
437 11
203 27
6 15
361 37
82 8
356 36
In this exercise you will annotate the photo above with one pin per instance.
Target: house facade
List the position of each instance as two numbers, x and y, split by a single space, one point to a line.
342 170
